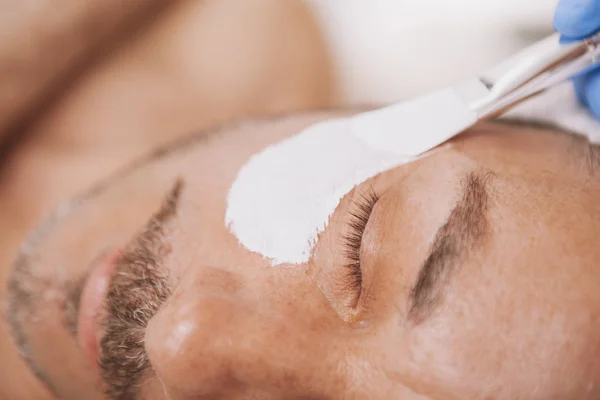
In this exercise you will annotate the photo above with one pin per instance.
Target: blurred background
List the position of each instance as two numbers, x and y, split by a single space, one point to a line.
386 50
86 86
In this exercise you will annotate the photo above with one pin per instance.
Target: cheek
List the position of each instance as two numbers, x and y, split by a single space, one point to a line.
510 332
222 333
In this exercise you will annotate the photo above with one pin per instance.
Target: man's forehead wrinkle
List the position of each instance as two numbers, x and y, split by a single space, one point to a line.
455 240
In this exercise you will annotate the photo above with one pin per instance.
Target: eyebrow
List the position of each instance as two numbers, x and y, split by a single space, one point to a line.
465 229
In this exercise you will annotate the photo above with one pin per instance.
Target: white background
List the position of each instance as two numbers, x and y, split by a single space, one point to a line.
388 50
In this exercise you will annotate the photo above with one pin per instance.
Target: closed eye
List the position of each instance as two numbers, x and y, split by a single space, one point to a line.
360 212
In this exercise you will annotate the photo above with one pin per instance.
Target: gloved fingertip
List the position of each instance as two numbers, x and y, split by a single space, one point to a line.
576 19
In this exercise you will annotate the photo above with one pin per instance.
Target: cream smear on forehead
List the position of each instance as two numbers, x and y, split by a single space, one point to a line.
283 197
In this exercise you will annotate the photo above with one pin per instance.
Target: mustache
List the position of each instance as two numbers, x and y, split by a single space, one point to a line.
138 288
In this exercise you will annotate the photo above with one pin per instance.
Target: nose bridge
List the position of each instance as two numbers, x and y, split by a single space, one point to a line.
219 333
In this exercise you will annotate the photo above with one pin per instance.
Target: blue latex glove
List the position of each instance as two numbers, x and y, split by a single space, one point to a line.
577 19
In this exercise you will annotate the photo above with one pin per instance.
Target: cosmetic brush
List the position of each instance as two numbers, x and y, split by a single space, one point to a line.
416 126
285 195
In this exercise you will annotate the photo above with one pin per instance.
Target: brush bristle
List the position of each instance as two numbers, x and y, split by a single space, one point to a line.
415 126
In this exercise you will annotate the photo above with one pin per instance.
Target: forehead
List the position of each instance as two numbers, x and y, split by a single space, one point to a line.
144 181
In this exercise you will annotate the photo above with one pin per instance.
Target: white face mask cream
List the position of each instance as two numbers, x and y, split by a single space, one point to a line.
283 197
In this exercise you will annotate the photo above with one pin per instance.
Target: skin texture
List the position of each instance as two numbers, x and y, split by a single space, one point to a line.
191 66
517 317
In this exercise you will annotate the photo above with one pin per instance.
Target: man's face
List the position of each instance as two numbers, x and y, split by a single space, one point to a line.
473 272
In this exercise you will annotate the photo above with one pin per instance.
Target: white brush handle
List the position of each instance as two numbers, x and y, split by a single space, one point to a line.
539 67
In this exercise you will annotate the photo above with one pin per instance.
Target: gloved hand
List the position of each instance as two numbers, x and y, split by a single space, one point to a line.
577 19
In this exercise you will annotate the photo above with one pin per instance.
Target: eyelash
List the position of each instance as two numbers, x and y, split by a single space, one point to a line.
360 212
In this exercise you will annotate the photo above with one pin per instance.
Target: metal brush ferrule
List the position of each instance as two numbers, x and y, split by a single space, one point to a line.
535 69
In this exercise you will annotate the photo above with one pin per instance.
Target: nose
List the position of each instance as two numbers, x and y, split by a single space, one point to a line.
221 338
